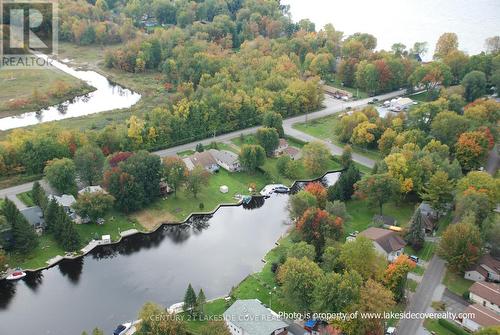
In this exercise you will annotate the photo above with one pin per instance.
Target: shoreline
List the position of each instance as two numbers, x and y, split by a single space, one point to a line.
132 232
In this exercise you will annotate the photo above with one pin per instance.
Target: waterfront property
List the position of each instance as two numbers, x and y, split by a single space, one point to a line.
34 215
251 317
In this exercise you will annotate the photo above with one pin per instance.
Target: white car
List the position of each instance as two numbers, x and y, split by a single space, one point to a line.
122 328
390 331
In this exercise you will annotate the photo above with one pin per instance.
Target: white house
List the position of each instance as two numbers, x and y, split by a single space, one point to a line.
478 317
400 104
486 295
250 317
486 268
386 242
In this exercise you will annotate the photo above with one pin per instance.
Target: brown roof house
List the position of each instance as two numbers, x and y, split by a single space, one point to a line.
386 242
486 295
478 317
487 268
284 149
204 159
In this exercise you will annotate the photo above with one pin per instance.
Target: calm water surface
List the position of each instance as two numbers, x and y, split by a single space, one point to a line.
109 285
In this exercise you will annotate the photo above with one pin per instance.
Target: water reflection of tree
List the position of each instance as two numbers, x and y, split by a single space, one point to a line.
7 292
72 269
199 223
256 202
178 234
33 279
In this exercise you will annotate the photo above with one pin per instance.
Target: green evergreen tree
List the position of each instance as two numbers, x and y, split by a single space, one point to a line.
38 195
70 239
189 300
50 216
24 237
200 302
416 235
343 189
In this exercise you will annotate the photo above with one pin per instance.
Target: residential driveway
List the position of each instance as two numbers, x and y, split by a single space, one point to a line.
454 303
492 163
422 298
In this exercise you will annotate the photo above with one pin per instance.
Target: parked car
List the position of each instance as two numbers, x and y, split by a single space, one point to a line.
414 259
390 331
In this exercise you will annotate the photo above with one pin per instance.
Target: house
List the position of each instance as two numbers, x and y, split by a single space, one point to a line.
227 160
486 268
477 317
250 317
284 149
400 104
386 242
65 201
486 295
34 215
92 189
283 144
429 217
320 327
203 159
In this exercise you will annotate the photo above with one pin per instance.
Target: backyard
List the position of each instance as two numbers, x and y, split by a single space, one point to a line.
456 283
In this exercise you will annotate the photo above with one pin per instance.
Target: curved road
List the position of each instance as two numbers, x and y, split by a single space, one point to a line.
332 106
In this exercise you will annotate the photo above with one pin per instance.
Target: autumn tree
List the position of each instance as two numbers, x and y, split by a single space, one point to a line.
335 292
89 162
156 321
61 174
252 156
396 274
268 138
446 43
364 134
196 180
482 182
360 256
215 328
438 192
473 203
460 245
316 225
302 249
300 202
93 205
377 189
124 188
299 278
318 191
316 156
374 298
175 172
330 260
472 149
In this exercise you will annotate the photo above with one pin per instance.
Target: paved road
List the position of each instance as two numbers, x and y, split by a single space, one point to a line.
493 161
422 298
331 106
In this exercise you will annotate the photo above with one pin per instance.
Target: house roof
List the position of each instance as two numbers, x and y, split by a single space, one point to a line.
253 317
283 143
204 159
34 215
487 291
482 316
387 239
91 189
64 200
189 163
291 151
224 156
486 264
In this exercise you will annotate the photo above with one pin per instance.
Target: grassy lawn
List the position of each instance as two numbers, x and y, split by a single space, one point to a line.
26 90
421 97
26 198
212 309
411 285
47 248
419 270
434 326
425 253
456 283
362 215
324 129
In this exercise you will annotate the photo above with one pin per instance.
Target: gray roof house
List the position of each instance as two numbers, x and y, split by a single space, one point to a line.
34 215
65 200
250 317
226 159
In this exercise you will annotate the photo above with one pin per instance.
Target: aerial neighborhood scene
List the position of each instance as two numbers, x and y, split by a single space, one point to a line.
249 167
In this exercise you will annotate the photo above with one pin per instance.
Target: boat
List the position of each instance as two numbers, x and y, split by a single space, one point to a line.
274 188
16 275
246 199
122 329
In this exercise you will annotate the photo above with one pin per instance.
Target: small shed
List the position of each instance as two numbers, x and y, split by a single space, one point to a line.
224 189
106 239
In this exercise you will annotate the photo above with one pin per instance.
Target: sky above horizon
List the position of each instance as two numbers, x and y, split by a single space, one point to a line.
406 21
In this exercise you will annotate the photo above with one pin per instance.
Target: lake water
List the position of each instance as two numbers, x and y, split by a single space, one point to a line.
106 97
109 285
406 21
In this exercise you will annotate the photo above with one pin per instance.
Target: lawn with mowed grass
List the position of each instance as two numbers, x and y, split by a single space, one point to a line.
29 90
26 198
362 214
425 253
213 310
47 249
456 283
325 129
434 326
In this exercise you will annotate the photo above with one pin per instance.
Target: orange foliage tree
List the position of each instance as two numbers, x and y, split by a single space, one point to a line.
395 275
316 225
